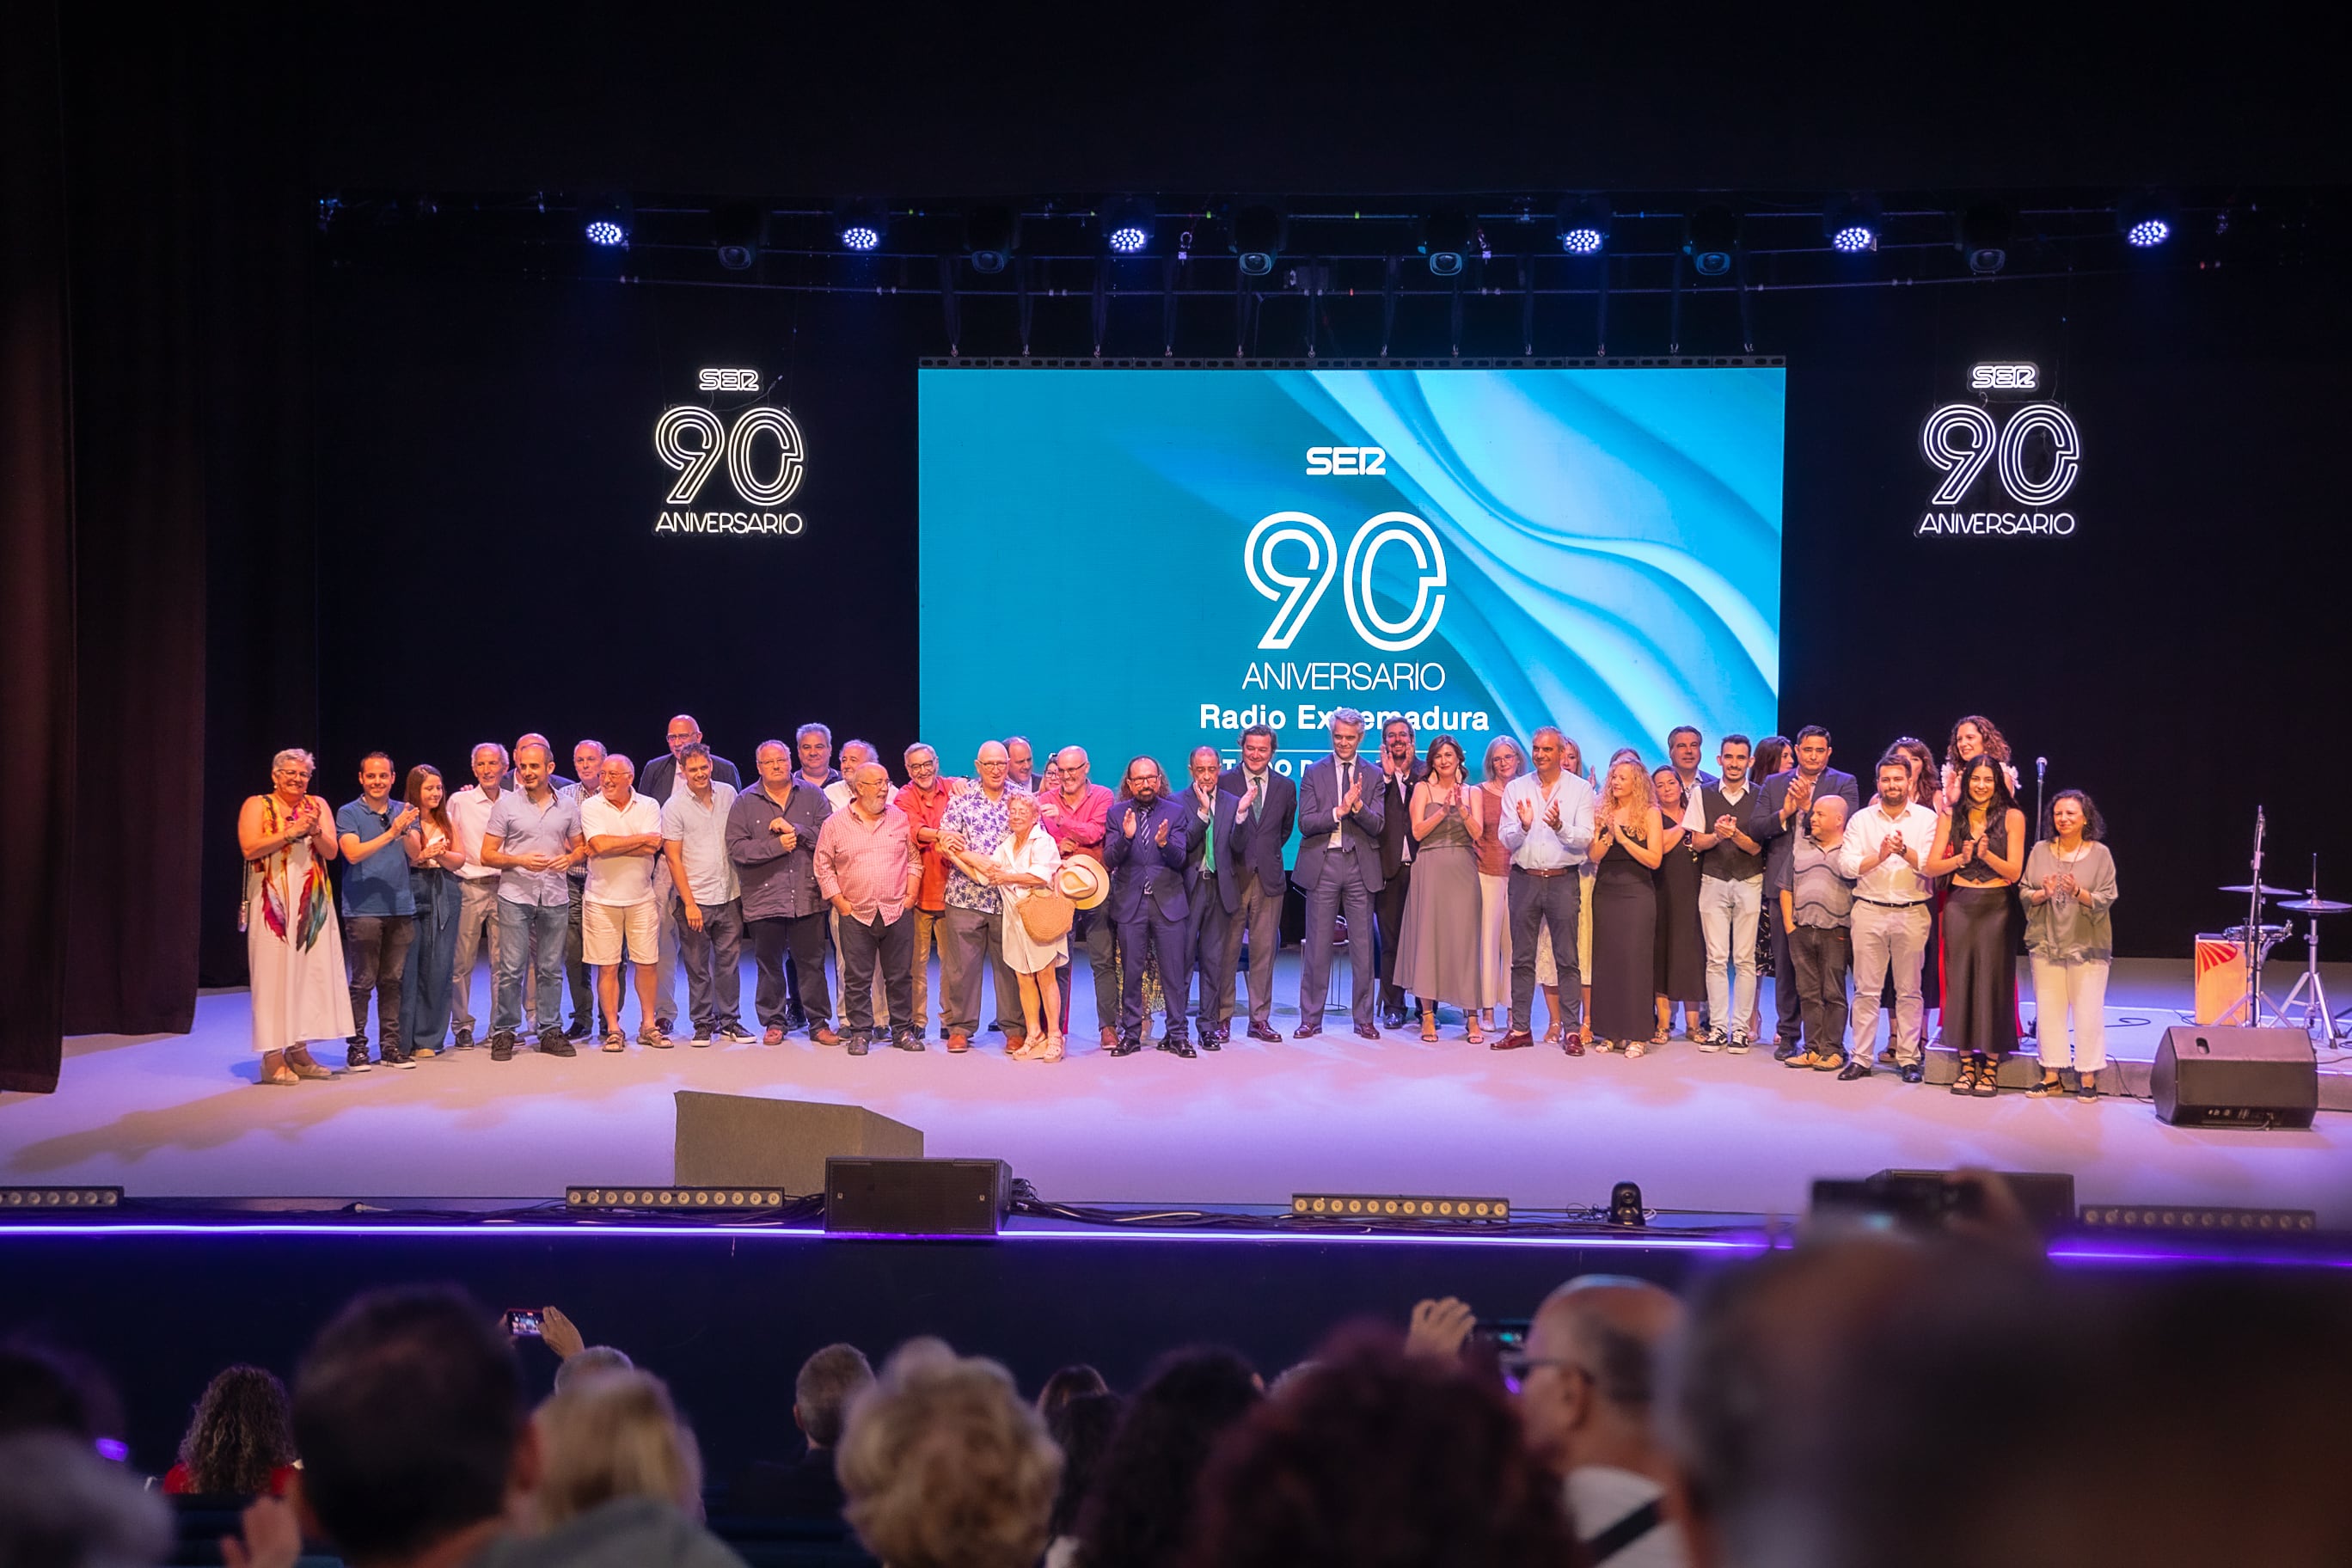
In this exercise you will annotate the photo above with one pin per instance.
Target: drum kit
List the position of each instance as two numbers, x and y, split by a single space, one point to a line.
2306 1004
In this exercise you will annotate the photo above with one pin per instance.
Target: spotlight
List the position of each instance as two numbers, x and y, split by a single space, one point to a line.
1625 1204
1126 226
657 1199
1445 236
1259 233
737 231
860 225
1851 224
12 1199
1985 232
606 222
1709 237
1583 225
991 236
1397 1206
2147 220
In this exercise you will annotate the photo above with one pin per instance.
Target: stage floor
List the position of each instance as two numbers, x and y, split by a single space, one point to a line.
175 1116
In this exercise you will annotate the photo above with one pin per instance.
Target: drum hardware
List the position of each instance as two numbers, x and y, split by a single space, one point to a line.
2310 988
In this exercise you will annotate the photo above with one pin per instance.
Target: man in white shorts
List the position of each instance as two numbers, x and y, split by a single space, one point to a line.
618 916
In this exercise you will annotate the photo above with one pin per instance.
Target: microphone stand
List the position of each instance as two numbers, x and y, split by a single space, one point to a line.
2254 931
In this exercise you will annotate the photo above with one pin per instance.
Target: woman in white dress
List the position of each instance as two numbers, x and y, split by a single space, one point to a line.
294 949
1023 865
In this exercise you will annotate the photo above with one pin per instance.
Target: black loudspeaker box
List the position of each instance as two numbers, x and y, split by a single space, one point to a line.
916 1197
2213 1077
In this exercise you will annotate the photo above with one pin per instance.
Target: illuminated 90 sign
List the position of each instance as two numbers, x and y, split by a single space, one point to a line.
1272 558
1963 440
695 441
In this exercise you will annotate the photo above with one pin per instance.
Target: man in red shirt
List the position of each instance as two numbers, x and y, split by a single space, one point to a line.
924 798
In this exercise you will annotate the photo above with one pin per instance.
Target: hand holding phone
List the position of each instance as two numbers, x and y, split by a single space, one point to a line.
525 1323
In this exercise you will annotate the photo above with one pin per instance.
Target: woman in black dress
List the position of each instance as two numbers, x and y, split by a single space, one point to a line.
1625 839
1680 973
1980 843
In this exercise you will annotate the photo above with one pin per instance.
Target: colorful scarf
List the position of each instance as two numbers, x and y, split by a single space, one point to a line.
273 868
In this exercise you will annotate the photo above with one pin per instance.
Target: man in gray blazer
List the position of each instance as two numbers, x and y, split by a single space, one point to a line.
1339 868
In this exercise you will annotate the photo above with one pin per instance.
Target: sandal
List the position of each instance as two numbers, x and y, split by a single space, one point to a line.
1472 1033
2086 1087
1966 1081
1636 1050
615 1041
2050 1085
305 1066
282 1078
1428 1026
1988 1075
1662 1037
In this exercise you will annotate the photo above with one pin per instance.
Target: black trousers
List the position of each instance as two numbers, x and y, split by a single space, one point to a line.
1823 956
1784 978
375 955
892 945
778 939
1388 914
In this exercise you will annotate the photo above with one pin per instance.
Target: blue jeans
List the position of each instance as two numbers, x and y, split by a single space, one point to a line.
432 959
520 925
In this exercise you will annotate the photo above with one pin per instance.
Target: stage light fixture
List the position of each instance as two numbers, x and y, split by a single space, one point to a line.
1709 237
1126 226
669 1200
1985 232
1625 1204
606 222
18 1200
2147 219
1384 1207
861 226
1445 238
1258 235
991 236
2176 1217
1852 224
738 229
1583 225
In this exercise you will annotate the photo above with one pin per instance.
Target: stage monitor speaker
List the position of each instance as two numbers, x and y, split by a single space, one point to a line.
743 1140
2213 1076
915 1197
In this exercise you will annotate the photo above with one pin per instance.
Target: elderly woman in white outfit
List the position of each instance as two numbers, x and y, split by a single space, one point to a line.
1021 866
294 949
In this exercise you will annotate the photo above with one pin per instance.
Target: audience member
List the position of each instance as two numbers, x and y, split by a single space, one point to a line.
1586 1393
61 1506
614 1435
1375 1457
1082 1426
944 1467
1142 1513
240 1441
830 1381
1070 1382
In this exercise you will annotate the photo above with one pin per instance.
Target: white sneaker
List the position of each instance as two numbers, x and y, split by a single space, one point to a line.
1738 1047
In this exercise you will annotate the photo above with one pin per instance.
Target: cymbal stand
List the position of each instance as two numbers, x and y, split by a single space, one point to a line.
2314 1005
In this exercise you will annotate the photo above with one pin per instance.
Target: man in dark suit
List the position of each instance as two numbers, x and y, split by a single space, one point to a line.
1253 883
1783 801
807 1488
1212 896
1399 771
1143 844
1339 819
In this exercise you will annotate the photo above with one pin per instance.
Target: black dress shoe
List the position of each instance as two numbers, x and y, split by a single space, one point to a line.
1213 1041
1912 1072
1270 1036
1856 1068
1125 1049
1179 1046
578 1030
1307 1031
1366 1032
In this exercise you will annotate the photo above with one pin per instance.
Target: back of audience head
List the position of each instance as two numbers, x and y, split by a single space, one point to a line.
44 1389
1140 1513
615 1434
1081 1426
241 1435
408 1415
945 1466
589 1362
1373 1456
61 1506
1069 1383
829 1383
1589 1391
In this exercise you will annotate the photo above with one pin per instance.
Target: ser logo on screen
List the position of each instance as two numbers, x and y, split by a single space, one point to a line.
760 447
1346 460
1292 556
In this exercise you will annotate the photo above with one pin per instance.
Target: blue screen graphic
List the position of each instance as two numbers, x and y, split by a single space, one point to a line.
1145 561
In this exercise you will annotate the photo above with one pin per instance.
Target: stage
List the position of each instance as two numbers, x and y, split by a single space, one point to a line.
182 1117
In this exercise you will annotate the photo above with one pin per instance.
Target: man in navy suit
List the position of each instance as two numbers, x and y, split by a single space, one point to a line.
1787 799
1252 882
1340 869
1210 896
1143 844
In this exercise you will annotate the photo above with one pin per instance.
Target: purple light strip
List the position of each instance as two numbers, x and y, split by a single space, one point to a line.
2078 1252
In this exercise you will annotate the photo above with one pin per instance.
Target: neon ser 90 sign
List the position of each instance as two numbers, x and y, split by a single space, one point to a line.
760 447
2034 455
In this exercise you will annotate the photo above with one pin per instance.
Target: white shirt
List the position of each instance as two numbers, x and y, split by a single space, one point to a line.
1540 847
837 794
470 808
619 880
1893 880
1600 1495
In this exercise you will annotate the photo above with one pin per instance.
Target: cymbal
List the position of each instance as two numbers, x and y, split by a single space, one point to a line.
2265 889
2316 907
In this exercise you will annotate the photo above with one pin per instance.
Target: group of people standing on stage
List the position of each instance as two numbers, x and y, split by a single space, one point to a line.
1621 893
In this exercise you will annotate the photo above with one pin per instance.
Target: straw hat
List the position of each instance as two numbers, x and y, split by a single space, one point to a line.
1082 878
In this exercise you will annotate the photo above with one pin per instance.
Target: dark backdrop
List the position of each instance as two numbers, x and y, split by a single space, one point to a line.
2170 657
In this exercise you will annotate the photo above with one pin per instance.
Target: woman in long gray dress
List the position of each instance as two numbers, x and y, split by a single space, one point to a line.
1437 952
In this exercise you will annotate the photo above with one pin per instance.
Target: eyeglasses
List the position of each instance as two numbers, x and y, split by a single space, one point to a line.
1516 1365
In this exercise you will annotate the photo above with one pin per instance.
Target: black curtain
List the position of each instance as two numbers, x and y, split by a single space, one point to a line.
153 452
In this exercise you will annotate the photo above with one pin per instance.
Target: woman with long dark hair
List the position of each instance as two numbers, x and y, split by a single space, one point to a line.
1142 1511
1081 1428
434 857
2070 883
1681 960
1973 737
240 1441
1437 947
1980 844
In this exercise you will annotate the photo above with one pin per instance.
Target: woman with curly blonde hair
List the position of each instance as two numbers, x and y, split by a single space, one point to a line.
614 1434
945 1466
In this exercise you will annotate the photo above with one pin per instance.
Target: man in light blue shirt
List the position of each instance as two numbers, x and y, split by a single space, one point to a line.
533 839
1547 825
709 897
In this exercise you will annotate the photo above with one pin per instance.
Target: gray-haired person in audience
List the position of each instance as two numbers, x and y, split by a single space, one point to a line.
829 1383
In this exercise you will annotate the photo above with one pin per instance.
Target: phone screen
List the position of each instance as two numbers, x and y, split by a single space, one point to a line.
523 1323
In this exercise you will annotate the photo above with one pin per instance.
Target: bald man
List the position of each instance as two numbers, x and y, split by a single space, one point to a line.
660 780
1587 1390
1815 916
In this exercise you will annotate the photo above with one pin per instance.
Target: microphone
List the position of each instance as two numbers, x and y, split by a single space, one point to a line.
2041 768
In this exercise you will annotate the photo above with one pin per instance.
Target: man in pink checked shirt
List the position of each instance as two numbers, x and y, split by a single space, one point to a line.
866 868
1076 817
